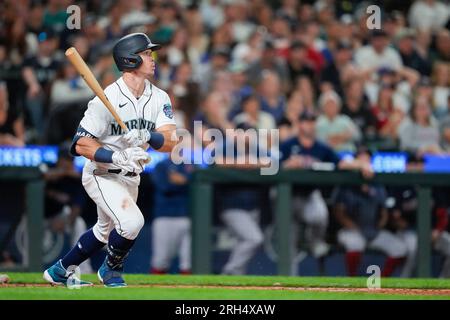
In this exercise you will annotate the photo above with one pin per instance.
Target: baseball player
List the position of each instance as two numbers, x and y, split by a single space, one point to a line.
111 177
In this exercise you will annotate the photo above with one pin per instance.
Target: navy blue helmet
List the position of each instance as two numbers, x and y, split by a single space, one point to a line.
125 51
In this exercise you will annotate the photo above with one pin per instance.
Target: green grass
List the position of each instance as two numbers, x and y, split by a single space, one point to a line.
225 293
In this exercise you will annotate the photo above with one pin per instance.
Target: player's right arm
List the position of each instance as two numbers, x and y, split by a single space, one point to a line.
87 147
93 126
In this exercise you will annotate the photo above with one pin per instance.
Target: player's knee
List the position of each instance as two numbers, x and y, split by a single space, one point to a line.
255 240
101 232
131 227
397 250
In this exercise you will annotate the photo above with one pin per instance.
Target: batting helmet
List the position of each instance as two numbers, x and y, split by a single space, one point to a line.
125 51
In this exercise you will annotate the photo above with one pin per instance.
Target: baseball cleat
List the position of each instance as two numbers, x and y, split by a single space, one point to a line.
110 278
57 275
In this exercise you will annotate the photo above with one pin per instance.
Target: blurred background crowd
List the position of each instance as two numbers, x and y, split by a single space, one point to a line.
250 64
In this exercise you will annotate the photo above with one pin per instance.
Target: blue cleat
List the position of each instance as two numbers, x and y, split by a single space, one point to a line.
57 275
111 278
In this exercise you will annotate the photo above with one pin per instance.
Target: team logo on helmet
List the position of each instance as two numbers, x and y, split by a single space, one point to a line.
167 108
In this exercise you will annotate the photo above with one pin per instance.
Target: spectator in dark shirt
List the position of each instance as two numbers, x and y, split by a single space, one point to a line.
272 98
356 106
405 40
332 74
298 63
12 132
39 71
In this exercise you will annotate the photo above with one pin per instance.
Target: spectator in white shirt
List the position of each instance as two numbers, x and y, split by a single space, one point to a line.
378 54
333 128
428 14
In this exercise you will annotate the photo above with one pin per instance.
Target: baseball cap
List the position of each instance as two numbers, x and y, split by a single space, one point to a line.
46 34
307 116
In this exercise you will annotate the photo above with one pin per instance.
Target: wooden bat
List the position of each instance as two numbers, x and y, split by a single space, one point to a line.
87 75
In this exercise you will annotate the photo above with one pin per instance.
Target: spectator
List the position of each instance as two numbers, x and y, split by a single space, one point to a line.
388 118
269 61
308 92
298 64
12 132
39 72
252 115
441 91
212 14
445 129
236 13
55 15
250 51
357 108
177 50
171 228
333 74
333 128
419 133
428 15
272 98
288 124
442 52
220 59
377 54
69 87
304 151
405 42
198 40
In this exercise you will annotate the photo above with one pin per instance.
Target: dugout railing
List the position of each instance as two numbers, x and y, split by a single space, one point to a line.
32 177
201 206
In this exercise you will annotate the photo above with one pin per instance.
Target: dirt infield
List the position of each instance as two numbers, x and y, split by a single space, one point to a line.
397 291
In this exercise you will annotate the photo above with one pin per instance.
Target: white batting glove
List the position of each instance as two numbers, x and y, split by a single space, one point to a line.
131 159
136 138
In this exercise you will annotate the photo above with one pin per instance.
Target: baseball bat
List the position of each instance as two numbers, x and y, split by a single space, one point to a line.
87 75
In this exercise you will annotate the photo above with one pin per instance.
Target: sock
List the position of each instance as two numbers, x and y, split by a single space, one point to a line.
352 258
118 249
86 246
390 265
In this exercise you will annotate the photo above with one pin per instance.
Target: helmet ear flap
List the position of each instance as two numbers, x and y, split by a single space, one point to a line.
132 61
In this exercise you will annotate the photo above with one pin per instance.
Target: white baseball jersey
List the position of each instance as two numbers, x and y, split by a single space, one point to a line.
151 111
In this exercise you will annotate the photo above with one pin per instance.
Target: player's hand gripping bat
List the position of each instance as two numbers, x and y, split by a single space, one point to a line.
87 75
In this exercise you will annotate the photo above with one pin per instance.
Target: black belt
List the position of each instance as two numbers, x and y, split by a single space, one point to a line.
118 171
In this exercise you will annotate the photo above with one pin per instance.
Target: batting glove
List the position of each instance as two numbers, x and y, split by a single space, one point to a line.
136 138
131 159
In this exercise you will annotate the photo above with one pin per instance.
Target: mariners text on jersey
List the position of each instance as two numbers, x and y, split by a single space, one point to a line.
116 129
